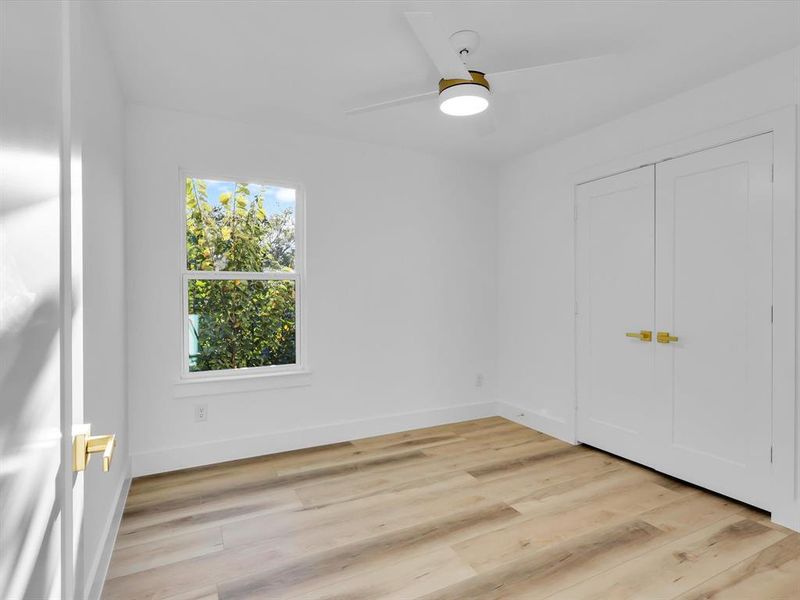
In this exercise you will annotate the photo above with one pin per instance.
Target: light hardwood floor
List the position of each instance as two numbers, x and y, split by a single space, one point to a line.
476 510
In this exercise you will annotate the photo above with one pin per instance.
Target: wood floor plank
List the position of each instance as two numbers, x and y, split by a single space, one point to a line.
608 488
691 513
311 571
165 551
409 578
152 495
541 573
520 485
554 453
435 464
483 509
473 425
197 573
204 593
499 431
157 525
771 574
250 470
451 429
212 493
278 498
502 445
171 479
339 522
561 520
679 566
407 439
317 498
368 455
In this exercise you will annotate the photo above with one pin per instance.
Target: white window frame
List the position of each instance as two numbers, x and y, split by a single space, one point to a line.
298 276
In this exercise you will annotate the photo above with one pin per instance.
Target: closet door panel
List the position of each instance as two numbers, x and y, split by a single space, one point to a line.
615 246
713 292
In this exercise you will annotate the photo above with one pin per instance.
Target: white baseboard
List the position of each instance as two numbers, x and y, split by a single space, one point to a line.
96 576
554 426
170 459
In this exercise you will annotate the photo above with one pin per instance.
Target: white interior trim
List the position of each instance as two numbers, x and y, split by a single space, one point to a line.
537 420
785 424
241 383
170 459
299 276
99 569
782 124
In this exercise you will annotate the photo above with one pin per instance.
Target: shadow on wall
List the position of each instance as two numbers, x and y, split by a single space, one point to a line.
30 449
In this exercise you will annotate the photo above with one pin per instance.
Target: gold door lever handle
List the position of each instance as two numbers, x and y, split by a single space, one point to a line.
84 445
104 444
643 335
663 337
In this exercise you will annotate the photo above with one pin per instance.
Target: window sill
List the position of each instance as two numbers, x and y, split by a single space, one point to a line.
237 384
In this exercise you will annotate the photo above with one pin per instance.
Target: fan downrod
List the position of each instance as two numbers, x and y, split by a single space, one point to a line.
465 42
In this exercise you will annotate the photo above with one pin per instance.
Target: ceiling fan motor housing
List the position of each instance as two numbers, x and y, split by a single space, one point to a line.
464 97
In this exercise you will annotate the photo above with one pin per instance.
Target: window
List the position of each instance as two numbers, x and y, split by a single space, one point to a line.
242 277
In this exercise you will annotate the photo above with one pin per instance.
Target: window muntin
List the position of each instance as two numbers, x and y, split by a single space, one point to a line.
241 283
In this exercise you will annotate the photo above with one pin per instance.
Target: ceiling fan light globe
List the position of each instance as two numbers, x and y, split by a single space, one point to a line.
464 100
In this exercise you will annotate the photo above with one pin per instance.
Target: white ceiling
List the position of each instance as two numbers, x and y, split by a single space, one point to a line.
299 65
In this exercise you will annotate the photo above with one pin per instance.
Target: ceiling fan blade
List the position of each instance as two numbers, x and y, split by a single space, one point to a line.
391 103
525 78
437 45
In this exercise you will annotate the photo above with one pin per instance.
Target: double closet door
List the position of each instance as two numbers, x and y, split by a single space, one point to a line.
674 317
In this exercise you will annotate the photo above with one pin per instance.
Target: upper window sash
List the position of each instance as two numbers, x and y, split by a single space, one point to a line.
264 217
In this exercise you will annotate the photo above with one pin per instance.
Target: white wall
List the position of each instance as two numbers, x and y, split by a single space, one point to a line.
105 393
401 300
536 235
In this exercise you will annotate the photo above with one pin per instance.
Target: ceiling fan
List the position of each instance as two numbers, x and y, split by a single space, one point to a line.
462 91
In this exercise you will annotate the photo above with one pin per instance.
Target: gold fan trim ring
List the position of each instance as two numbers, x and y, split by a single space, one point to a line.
477 78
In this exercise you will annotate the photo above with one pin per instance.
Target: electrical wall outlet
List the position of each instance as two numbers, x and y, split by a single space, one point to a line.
479 380
200 412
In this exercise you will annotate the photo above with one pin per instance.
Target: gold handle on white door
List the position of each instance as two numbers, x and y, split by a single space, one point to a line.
84 445
643 335
663 337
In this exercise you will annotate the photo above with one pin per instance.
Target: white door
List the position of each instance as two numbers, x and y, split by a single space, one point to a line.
615 275
39 495
714 293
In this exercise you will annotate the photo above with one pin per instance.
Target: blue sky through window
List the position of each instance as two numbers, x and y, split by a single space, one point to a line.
276 199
